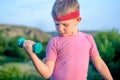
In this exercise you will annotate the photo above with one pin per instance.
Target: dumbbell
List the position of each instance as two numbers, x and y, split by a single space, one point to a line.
37 47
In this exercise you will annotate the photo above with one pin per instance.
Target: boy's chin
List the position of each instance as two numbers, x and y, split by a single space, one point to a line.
64 35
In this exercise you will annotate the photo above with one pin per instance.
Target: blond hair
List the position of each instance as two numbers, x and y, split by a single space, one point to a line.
64 7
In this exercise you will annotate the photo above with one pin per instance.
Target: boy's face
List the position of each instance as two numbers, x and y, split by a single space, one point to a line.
68 27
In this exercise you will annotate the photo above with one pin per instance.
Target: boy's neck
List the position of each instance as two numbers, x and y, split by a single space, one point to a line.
73 33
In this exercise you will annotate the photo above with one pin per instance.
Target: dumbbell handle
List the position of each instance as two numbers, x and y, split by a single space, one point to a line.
37 47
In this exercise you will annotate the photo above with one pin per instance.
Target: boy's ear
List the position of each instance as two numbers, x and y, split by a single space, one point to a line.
79 19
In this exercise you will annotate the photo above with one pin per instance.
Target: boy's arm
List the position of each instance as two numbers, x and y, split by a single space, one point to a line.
101 67
45 69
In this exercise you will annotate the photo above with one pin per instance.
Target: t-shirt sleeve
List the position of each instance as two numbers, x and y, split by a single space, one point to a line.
51 52
93 49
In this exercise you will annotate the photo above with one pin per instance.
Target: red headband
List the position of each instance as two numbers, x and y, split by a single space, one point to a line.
68 17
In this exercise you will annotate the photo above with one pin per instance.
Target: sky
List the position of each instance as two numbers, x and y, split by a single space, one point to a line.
96 14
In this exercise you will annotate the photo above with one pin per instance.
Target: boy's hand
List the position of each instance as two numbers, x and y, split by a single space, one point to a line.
28 46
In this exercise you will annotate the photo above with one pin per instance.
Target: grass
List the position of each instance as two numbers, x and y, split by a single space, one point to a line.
12 69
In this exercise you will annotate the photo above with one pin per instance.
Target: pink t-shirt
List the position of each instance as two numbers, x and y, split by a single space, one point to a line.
71 55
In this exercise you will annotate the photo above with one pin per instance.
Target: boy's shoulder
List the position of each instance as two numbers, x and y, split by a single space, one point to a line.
85 34
88 36
54 38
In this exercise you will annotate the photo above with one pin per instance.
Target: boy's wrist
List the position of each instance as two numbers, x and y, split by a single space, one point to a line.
32 55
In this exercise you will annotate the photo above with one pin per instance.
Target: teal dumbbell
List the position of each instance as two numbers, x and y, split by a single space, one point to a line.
37 47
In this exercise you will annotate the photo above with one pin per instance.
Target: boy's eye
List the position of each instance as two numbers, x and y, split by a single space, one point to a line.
57 24
65 25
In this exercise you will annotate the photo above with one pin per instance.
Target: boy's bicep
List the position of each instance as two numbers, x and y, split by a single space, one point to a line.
96 60
50 64
93 48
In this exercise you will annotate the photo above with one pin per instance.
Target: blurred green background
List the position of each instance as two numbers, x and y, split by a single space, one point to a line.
15 64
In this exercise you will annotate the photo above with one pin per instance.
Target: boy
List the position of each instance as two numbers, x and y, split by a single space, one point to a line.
68 54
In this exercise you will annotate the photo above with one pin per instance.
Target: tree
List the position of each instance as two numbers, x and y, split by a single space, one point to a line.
108 44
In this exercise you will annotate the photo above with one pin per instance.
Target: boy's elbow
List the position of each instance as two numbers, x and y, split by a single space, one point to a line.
46 76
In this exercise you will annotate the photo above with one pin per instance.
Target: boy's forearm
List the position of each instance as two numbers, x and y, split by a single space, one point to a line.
40 66
104 71
101 67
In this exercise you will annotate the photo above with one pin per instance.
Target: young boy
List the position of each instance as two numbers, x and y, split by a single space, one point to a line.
68 54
